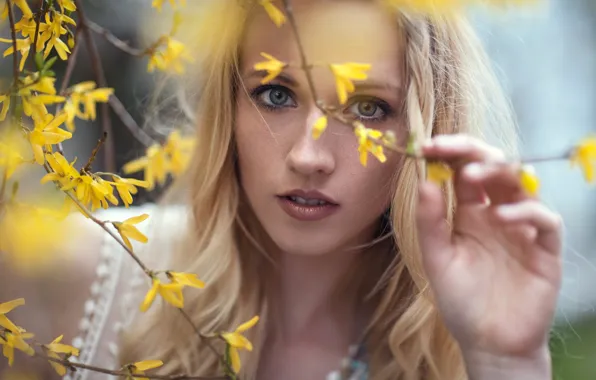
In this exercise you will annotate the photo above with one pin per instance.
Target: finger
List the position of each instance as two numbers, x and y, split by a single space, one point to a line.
500 181
459 150
547 223
434 234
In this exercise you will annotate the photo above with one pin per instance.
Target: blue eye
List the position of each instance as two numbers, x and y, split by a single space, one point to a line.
273 97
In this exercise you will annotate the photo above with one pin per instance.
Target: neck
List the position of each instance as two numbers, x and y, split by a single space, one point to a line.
306 303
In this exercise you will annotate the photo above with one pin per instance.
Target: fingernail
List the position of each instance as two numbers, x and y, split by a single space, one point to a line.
473 171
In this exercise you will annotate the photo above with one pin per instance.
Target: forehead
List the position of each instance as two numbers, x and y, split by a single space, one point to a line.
331 31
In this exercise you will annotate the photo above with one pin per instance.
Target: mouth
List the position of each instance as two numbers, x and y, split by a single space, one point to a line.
307 206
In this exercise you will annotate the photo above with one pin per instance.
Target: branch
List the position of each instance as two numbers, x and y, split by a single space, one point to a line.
111 38
129 121
13 33
110 164
123 373
37 23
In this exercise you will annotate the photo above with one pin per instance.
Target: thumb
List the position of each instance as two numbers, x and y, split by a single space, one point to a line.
434 234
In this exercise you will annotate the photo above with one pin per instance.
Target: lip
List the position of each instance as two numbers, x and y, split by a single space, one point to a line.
307 213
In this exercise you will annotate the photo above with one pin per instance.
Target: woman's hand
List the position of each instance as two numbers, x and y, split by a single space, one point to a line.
496 274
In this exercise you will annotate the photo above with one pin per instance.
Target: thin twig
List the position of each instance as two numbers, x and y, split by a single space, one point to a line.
100 142
37 24
72 60
129 121
97 67
123 373
111 38
13 34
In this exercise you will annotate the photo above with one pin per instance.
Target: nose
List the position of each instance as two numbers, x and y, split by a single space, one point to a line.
308 156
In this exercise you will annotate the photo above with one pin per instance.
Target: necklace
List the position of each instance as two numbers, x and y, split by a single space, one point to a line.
353 366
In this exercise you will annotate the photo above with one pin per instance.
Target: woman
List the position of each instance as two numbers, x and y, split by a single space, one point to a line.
331 254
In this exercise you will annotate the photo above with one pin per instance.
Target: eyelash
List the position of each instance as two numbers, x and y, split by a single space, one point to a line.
256 93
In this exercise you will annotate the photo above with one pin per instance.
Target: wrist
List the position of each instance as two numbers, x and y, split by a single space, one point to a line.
486 366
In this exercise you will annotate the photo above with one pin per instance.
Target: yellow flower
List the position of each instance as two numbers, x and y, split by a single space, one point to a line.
274 13
23 46
584 155
62 172
93 190
55 348
236 341
11 154
171 293
69 5
366 145
85 94
159 3
127 230
47 133
319 127
155 163
7 307
171 59
438 172
139 368
345 74
272 66
30 231
126 187
186 279
14 336
180 150
5 100
529 181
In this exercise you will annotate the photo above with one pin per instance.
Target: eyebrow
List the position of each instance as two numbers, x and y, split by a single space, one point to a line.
284 78
369 84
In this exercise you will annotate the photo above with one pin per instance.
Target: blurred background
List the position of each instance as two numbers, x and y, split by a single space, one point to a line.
546 61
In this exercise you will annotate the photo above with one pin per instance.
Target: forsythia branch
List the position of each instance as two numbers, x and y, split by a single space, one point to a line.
13 34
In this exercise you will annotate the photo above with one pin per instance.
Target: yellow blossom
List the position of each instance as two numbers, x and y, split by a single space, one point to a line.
22 5
238 341
87 95
319 127
139 368
274 13
584 155
62 172
171 293
53 33
438 172
186 279
47 133
171 58
272 66
13 336
5 100
155 163
127 230
29 232
345 74
528 180
180 150
93 190
126 187
23 46
69 5
11 154
159 3
366 144
55 348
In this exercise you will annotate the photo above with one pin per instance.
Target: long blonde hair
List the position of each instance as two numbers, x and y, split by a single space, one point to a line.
450 89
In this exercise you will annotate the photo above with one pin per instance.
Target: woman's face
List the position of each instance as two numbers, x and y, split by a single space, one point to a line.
314 196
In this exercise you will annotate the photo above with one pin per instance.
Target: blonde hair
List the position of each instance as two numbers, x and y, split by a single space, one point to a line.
450 89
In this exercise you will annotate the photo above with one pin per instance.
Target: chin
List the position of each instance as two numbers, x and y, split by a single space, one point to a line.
296 242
